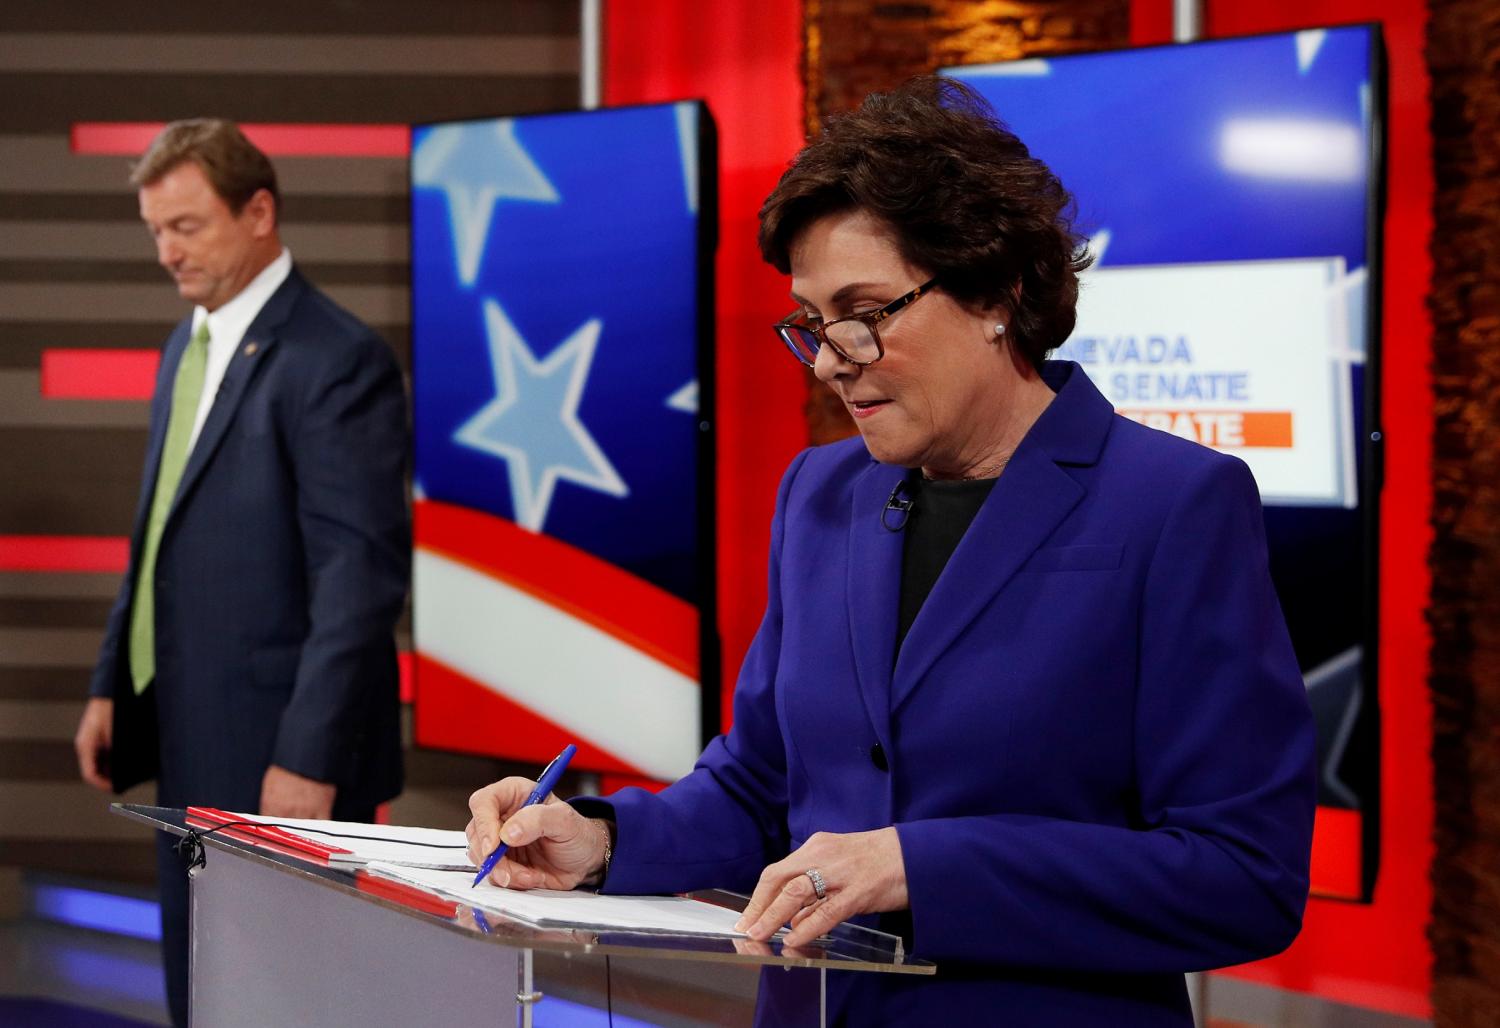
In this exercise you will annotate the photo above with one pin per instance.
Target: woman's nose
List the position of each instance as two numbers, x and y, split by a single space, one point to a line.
829 365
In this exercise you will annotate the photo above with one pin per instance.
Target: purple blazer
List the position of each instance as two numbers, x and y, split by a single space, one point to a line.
1095 743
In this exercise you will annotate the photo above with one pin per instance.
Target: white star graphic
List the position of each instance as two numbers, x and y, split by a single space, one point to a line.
532 423
1098 243
476 165
685 399
685 114
1308 44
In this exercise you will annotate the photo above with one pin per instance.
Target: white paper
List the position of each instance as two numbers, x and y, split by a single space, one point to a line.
393 843
546 908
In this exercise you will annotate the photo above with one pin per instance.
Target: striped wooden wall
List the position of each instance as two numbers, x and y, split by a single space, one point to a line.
83 306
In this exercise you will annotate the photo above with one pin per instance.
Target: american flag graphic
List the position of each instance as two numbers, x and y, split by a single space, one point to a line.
556 269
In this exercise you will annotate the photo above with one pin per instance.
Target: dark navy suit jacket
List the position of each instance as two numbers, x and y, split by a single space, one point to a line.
282 570
1097 745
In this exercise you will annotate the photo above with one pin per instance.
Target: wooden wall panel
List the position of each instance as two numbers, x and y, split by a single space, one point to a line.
1463 55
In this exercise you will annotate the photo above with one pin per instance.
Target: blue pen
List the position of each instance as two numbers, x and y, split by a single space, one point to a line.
544 786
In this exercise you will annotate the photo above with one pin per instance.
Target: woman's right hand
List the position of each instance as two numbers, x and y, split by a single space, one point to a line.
552 846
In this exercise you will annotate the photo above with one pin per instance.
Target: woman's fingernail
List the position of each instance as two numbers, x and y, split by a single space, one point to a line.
739 925
511 833
504 879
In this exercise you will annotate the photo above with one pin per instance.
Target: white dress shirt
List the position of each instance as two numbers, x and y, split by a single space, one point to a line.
227 326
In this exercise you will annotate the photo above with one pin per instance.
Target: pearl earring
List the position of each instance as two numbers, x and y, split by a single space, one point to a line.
999 328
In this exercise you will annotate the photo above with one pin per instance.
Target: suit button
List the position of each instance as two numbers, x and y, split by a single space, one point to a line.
877 757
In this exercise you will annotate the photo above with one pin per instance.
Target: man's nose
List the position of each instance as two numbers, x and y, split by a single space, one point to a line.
167 253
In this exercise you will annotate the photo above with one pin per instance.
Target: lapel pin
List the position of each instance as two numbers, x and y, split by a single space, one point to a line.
250 349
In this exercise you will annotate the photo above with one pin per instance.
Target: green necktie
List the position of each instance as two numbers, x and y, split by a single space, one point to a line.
186 391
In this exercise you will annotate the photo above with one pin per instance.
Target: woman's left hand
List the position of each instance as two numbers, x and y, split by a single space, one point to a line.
863 873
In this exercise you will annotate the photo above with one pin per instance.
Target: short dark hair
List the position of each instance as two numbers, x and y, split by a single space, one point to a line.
234 166
967 201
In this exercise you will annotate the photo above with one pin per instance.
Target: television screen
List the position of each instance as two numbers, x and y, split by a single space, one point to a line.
561 321
1230 190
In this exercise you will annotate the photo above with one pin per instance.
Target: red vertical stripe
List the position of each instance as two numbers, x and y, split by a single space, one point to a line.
403 663
99 374
1150 22
115 138
742 59
1377 955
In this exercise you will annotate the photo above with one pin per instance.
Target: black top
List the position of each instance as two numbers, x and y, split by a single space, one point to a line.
941 513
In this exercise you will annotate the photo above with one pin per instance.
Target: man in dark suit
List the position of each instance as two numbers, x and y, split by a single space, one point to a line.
249 662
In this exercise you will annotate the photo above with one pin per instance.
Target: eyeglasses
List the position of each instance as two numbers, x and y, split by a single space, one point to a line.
855 338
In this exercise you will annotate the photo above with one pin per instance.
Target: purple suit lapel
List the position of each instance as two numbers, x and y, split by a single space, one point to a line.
874 584
1033 497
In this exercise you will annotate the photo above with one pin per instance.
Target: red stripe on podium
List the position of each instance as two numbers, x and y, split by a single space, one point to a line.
116 138
406 895
64 553
86 374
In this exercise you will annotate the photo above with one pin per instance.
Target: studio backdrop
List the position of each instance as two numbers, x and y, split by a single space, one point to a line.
561 345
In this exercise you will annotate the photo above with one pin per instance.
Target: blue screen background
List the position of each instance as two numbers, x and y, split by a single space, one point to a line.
618 243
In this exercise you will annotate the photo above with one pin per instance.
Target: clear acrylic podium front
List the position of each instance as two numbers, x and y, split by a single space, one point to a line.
279 939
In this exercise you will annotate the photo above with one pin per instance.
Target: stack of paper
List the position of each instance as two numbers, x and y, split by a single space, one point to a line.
390 844
546 908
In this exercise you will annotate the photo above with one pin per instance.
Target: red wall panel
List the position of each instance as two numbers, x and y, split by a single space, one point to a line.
743 60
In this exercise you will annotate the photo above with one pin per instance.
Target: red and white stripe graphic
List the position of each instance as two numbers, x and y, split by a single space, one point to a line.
522 638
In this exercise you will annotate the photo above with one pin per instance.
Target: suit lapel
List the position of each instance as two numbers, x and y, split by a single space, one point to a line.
1027 504
1034 495
874 583
161 405
249 354
156 431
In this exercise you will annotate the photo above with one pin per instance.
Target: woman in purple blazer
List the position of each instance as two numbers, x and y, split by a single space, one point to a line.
1023 692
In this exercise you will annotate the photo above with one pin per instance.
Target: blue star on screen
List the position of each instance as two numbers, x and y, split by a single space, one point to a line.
555 341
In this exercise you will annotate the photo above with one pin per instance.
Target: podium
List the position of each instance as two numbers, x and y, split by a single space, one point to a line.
277 938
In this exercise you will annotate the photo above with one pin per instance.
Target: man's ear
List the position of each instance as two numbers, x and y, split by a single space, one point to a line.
261 209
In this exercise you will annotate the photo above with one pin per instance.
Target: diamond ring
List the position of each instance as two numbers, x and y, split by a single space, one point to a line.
820 888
